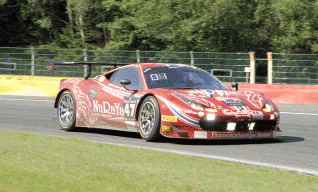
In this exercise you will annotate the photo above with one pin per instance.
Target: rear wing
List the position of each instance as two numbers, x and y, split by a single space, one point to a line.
50 65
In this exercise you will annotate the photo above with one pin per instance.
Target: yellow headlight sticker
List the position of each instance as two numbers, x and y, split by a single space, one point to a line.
211 110
169 118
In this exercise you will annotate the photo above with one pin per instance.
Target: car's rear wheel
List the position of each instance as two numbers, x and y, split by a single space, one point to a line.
149 119
66 111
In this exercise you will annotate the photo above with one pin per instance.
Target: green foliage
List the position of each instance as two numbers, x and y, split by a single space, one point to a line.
2 2
157 25
290 26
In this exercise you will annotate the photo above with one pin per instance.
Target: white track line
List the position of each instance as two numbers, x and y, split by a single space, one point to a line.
298 113
227 159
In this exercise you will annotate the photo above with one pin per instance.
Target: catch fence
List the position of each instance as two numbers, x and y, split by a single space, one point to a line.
292 68
229 67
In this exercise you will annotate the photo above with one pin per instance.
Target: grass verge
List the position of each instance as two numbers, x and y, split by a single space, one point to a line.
31 162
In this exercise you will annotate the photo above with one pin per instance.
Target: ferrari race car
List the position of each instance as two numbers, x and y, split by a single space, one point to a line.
171 100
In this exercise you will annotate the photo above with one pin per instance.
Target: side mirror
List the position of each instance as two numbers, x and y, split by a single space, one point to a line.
124 82
235 85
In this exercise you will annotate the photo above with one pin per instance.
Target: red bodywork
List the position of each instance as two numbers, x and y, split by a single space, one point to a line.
102 104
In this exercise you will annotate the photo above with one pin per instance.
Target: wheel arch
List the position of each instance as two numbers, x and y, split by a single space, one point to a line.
155 131
140 102
59 95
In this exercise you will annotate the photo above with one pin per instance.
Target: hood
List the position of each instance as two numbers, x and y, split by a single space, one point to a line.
222 98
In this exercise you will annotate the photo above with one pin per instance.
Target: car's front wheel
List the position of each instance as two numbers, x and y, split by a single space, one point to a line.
149 119
66 111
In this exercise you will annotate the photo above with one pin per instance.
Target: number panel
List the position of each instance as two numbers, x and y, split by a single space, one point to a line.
130 104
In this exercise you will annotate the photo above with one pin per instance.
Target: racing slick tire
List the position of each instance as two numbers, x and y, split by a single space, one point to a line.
66 111
149 119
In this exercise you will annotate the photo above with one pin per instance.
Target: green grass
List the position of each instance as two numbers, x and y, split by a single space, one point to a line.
31 162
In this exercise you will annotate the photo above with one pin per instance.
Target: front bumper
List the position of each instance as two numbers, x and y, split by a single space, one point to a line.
182 132
239 126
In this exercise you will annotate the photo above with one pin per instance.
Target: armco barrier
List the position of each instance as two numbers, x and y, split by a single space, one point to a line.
298 94
48 86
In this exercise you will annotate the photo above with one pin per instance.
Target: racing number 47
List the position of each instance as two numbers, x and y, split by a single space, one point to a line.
130 109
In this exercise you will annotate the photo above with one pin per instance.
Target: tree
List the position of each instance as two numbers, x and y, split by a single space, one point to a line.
14 28
289 26
120 21
198 25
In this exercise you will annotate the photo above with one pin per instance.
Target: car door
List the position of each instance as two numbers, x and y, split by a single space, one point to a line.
116 96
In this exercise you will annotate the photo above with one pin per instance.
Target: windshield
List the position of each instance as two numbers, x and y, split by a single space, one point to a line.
181 77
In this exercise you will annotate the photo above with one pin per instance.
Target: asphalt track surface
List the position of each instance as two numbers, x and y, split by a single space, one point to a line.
296 151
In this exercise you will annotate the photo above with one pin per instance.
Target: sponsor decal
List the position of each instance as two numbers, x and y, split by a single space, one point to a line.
233 102
241 108
169 118
93 93
201 134
165 128
241 135
108 108
241 113
258 116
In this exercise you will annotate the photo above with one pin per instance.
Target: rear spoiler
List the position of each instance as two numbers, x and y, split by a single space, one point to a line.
50 65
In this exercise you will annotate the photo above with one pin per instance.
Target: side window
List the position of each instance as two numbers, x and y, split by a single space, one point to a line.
131 74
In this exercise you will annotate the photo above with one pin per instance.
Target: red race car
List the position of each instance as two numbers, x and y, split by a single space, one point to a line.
172 100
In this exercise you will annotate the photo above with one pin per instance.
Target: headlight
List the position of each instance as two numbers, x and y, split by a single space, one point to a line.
268 107
210 117
192 104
